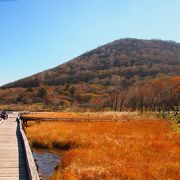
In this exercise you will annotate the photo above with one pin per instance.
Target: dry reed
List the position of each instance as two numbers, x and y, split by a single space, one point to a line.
146 149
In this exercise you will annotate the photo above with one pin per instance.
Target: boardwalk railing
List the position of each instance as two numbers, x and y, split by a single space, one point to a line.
1 121
26 119
32 169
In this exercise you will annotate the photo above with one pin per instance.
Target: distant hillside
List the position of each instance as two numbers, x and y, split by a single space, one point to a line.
89 79
122 61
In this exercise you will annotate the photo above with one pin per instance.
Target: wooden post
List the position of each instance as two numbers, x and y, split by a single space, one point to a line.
32 169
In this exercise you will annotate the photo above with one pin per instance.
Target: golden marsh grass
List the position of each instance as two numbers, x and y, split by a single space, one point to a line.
146 149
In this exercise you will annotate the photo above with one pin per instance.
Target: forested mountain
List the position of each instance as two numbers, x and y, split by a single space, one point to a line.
117 66
121 61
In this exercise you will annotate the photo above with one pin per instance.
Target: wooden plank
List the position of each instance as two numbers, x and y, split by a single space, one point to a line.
12 155
15 153
14 165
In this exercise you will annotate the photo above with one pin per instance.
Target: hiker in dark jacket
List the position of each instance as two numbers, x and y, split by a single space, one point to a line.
4 115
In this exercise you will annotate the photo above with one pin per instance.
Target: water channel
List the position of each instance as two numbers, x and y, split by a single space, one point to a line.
48 161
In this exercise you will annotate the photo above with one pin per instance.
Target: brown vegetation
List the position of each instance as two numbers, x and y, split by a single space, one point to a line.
121 62
153 95
139 149
127 74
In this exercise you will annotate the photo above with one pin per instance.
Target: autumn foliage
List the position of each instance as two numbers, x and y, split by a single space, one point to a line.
152 95
127 74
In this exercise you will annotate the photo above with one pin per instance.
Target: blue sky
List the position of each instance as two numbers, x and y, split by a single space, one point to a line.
39 34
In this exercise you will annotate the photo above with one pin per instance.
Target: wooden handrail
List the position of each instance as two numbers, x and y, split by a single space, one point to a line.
72 119
1 121
32 169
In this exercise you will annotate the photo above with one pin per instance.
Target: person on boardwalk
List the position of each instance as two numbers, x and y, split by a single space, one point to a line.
4 115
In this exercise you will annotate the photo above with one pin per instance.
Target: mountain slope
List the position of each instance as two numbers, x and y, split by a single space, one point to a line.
125 74
122 61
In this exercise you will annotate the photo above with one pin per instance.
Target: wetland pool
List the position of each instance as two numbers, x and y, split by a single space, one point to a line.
48 161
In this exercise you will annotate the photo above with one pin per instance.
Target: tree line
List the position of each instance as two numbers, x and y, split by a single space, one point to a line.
149 95
154 95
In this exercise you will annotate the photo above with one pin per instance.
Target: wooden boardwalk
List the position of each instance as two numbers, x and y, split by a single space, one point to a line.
12 153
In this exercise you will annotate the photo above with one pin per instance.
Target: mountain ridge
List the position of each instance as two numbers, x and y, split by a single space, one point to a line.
126 74
136 45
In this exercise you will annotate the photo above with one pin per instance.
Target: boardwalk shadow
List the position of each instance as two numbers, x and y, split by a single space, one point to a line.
23 175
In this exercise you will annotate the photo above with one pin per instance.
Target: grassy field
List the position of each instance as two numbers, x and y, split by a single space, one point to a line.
136 149
98 116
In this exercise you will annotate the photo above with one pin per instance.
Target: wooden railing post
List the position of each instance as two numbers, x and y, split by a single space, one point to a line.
32 169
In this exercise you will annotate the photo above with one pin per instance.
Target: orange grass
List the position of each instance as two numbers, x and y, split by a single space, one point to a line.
109 115
146 149
87 115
